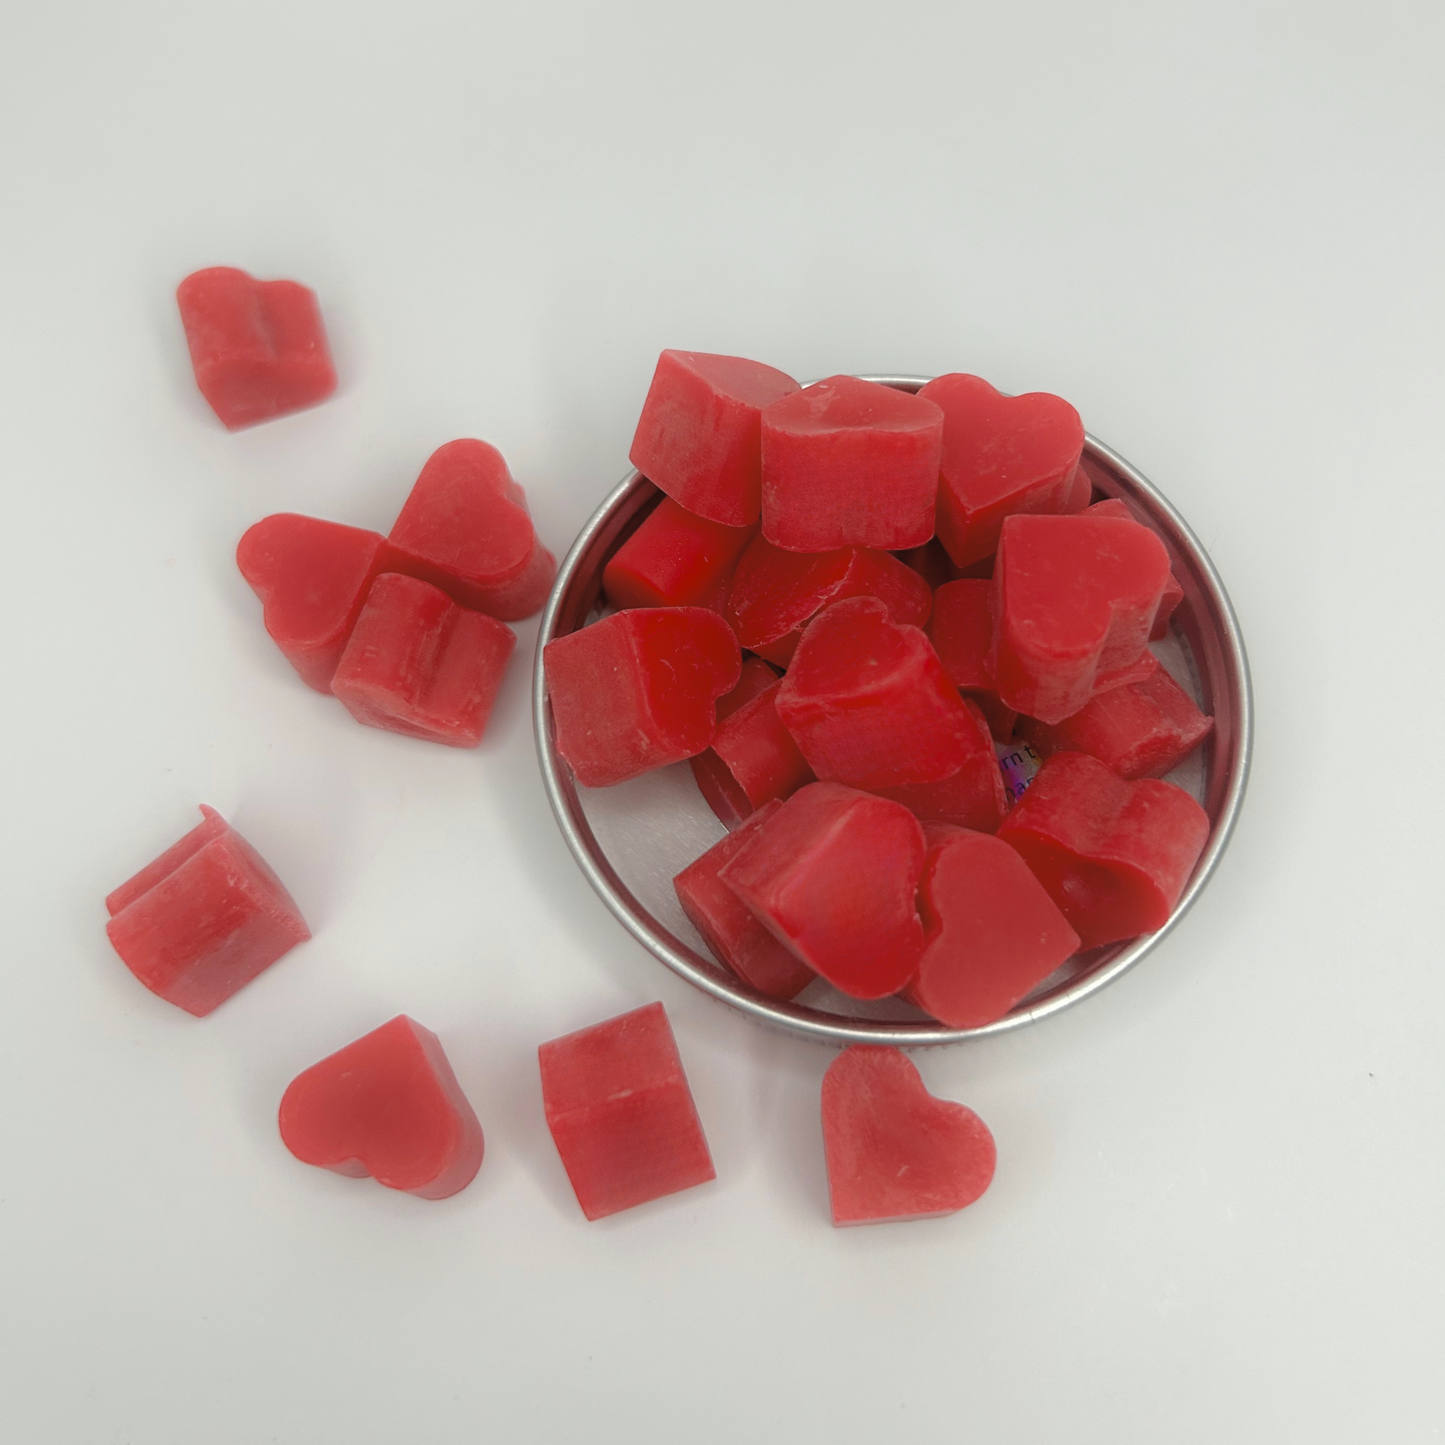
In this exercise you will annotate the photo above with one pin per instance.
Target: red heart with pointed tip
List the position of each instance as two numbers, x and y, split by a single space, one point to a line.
466 529
893 1150
389 1106
312 577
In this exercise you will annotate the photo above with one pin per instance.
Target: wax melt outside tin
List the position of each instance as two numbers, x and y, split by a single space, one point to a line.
630 841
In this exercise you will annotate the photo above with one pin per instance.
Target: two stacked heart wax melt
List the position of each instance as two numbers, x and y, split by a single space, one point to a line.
848 598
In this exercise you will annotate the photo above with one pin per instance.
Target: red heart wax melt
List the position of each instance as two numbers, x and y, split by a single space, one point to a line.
833 875
204 919
893 1150
992 932
774 593
466 529
674 559
869 702
1001 455
258 348
735 937
1173 592
753 760
312 578
754 678
961 631
699 434
850 463
1114 855
420 665
1074 599
621 1112
387 1106
1141 731
639 689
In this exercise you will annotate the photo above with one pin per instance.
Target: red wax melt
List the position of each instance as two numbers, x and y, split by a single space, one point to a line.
621 1113
258 348
312 578
753 760
204 919
1114 855
674 559
1141 731
833 874
961 631
1173 592
775 593
420 665
467 530
1074 599
387 1106
972 796
992 932
931 563
698 437
850 463
869 702
735 937
893 1150
1001 455
639 689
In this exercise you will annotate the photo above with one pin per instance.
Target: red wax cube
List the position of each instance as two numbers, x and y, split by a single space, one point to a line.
466 529
869 702
735 937
674 559
387 1106
992 932
775 593
1074 599
972 796
1114 855
1001 455
893 1150
420 665
961 631
621 1113
257 347
204 919
698 437
753 759
849 463
312 577
1173 592
833 874
755 677
1140 731
639 689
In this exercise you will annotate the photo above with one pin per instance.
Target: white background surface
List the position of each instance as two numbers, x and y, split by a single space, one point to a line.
1216 227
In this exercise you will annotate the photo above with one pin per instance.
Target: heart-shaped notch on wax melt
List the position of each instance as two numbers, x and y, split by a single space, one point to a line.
387 1106
893 1150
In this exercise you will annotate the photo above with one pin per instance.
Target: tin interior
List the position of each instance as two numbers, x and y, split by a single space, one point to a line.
629 844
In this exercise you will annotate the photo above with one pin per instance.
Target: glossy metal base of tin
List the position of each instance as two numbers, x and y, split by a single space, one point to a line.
1204 626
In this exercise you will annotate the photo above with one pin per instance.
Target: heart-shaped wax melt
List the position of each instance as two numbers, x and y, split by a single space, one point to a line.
893 1150
258 348
466 529
1074 599
389 1106
312 577
1001 455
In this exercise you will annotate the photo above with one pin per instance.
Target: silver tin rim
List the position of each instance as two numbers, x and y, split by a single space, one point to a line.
1205 619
